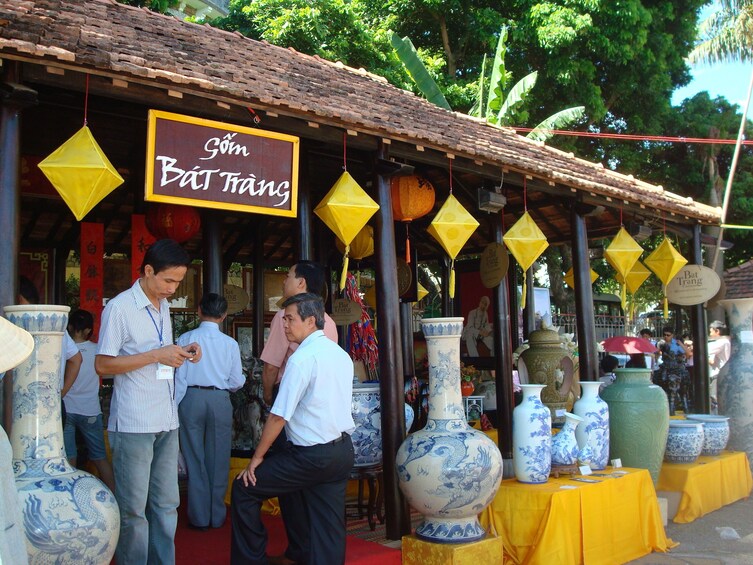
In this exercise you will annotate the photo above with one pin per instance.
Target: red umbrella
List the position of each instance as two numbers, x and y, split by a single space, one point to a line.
628 344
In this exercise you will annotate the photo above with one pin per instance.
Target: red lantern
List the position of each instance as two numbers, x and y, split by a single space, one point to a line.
171 221
412 197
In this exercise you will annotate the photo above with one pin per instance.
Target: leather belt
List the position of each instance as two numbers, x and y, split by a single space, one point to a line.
205 387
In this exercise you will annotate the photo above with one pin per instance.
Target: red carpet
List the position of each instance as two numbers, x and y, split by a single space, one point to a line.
212 547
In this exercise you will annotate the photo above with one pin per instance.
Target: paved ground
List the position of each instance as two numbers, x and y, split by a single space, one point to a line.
703 542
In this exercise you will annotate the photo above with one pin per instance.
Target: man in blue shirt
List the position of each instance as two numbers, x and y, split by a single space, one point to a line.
206 415
313 406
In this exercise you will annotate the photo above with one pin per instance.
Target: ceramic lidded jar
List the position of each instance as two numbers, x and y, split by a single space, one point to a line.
448 471
595 428
367 437
715 432
69 515
546 362
532 437
684 441
638 420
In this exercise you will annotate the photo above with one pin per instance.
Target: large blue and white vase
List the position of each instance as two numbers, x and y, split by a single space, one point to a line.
735 385
715 432
447 471
532 437
367 437
69 515
564 445
595 428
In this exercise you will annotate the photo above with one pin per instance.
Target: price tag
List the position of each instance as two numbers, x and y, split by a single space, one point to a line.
616 463
585 469
164 372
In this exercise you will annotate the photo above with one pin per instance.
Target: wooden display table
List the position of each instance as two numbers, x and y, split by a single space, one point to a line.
611 520
704 486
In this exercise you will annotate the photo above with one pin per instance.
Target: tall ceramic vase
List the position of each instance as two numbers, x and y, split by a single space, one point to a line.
448 471
69 515
638 420
594 431
532 437
735 385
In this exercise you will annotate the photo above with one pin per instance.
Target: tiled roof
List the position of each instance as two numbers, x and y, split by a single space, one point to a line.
738 281
112 39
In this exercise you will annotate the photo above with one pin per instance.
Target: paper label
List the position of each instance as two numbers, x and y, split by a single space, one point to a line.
164 372
616 463
585 469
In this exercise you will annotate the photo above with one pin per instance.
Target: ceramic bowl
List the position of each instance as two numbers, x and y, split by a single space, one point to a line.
716 432
684 441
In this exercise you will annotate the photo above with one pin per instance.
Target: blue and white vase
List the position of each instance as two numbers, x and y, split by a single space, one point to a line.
367 437
735 385
684 441
595 427
715 432
564 445
532 437
447 471
69 515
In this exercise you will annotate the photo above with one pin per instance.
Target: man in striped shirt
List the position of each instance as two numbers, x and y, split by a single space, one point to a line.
136 346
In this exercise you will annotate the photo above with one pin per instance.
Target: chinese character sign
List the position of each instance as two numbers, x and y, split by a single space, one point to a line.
92 263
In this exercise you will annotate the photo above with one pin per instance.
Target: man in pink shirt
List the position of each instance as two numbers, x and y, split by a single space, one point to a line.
304 276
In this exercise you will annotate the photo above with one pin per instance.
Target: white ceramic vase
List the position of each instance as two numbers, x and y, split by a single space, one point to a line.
595 427
564 445
532 437
735 385
447 471
69 515
367 437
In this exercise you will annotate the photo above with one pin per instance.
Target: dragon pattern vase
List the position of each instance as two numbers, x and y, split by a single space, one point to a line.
367 437
448 471
70 517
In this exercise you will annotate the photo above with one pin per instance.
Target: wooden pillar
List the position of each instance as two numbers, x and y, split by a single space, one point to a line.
304 243
447 302
699 333
13 98
503 347
584 302
529 313
212 253
390 359
512 296
258 284
406 327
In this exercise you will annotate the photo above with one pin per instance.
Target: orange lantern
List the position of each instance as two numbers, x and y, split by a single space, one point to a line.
412 198
171 221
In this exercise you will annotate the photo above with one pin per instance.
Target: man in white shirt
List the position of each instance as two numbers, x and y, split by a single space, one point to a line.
720 350
136 346
313 406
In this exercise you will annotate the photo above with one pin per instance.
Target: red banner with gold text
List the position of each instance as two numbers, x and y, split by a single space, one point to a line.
92 276
141 239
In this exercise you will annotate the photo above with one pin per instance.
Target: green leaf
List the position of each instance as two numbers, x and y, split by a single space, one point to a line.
517 95
499 76
417 71
560 120
479 99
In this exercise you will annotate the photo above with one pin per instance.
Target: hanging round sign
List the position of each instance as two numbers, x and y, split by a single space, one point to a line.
345 312
693 284
494 263
404 277
237 298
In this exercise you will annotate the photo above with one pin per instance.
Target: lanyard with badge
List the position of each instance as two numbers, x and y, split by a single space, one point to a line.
164 372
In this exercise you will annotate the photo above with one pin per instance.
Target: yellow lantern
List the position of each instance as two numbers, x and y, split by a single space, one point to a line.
665 262
362 245
421 291
452 227
81 173
570 277
345 209
636 277
622 254
526 242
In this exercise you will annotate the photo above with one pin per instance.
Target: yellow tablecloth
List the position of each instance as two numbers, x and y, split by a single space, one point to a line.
708 484
614 520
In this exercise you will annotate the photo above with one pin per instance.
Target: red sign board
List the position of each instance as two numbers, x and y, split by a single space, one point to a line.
197 162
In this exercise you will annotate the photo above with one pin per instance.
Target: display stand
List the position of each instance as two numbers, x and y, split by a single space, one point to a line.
420 552
695 489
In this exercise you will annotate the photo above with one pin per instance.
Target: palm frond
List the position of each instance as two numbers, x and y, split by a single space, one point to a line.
517 95
560 120
499 77
478 103
408 56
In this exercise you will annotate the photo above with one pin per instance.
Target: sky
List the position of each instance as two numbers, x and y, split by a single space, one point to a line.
730 80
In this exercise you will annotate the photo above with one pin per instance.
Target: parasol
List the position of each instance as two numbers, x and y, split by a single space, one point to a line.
628 344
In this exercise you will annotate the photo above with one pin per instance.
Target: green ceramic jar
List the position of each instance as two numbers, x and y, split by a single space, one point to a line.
638 420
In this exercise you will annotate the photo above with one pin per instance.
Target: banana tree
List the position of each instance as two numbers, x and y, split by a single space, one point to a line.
499 109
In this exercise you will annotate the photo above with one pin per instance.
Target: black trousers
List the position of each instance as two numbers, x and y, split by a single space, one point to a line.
320 473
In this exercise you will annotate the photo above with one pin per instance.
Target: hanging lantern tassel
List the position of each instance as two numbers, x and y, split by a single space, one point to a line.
666 302
623 296
523 295
344 274
452 279
407 243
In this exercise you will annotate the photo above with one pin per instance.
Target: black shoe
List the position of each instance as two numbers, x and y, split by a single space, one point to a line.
199 528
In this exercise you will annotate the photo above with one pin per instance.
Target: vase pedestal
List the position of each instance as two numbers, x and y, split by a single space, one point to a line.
420 552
